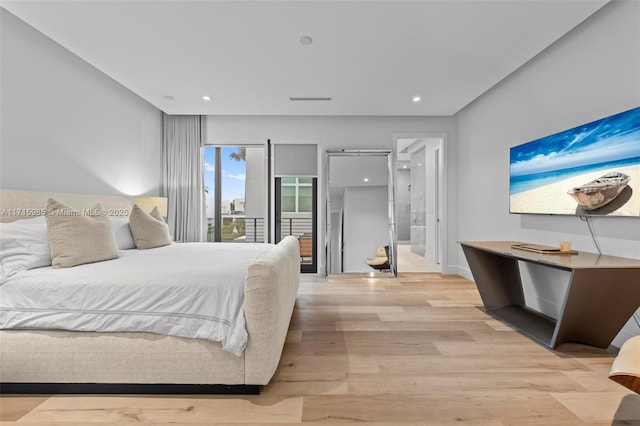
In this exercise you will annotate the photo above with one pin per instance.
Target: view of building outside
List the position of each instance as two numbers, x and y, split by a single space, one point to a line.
242 179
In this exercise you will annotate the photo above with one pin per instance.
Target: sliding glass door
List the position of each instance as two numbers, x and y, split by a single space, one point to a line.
234 179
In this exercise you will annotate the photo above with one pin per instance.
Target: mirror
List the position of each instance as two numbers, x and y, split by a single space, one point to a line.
360 225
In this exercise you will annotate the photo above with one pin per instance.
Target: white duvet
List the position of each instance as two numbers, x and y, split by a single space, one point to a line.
193 290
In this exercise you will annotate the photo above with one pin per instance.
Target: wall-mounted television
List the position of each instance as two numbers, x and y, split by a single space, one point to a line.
589 170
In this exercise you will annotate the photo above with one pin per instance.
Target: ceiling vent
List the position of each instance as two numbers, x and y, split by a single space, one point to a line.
309 98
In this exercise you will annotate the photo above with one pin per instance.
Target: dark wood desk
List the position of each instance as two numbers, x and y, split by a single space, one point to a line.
603 292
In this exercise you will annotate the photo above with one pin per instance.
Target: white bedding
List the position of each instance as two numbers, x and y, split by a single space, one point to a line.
193 290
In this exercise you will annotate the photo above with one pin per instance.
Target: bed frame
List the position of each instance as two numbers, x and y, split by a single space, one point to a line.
57 361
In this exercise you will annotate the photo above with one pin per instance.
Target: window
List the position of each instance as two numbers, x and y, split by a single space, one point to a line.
297 196
235 193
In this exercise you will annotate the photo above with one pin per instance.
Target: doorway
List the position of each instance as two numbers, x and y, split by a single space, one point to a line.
420 209
296 213
293 175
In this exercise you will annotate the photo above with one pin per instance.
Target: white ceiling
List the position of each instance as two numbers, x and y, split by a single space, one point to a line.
371 57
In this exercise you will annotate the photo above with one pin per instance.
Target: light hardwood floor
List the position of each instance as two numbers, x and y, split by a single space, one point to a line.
413 350
411 262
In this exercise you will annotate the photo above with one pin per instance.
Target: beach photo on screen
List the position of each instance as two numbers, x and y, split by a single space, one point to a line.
592 169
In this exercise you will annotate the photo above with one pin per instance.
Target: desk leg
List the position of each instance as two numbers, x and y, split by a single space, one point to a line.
597 304
497 278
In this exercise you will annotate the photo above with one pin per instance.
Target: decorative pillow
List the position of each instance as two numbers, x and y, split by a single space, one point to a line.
149 229
78 237
122 232
23 245
155 213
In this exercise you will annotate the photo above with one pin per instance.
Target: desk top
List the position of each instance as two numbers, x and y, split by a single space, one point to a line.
582 260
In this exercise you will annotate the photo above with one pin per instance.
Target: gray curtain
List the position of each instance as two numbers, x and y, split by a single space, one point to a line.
182 181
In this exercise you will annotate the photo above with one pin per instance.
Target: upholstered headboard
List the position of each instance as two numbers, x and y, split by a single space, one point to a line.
17 204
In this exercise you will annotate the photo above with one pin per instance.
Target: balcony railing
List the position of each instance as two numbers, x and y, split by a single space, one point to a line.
296 226
238 229
302 228
241 229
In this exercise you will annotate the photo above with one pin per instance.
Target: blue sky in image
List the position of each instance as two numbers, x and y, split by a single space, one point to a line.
233 173
612 138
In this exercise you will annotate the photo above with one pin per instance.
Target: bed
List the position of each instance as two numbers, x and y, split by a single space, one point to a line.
35 359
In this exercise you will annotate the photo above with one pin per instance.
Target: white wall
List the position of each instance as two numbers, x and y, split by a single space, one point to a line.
342 132
68 127
592 72
254 183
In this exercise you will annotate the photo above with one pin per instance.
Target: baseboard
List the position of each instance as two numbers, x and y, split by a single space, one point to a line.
127 388
462 271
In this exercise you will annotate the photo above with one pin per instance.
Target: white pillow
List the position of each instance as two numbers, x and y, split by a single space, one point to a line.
23 245
76 237
122 232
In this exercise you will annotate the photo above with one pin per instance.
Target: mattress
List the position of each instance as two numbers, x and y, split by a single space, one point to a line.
193 290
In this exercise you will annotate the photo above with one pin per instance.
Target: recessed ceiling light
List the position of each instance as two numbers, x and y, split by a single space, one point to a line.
404 167
168 97
416 99
366 179
304 40
206 98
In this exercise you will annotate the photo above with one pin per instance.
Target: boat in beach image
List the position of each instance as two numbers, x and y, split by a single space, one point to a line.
601 191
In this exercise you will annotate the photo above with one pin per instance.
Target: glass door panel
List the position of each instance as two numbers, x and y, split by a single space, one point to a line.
236 206
296 215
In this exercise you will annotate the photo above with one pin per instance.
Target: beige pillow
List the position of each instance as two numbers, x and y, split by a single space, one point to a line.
149 229
78 237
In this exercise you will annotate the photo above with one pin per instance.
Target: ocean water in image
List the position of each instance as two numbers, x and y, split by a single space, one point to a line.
523 183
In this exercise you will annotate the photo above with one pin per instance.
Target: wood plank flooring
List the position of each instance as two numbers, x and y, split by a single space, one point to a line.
416 350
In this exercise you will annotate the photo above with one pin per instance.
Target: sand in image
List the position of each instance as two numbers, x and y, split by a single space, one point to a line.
553 198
